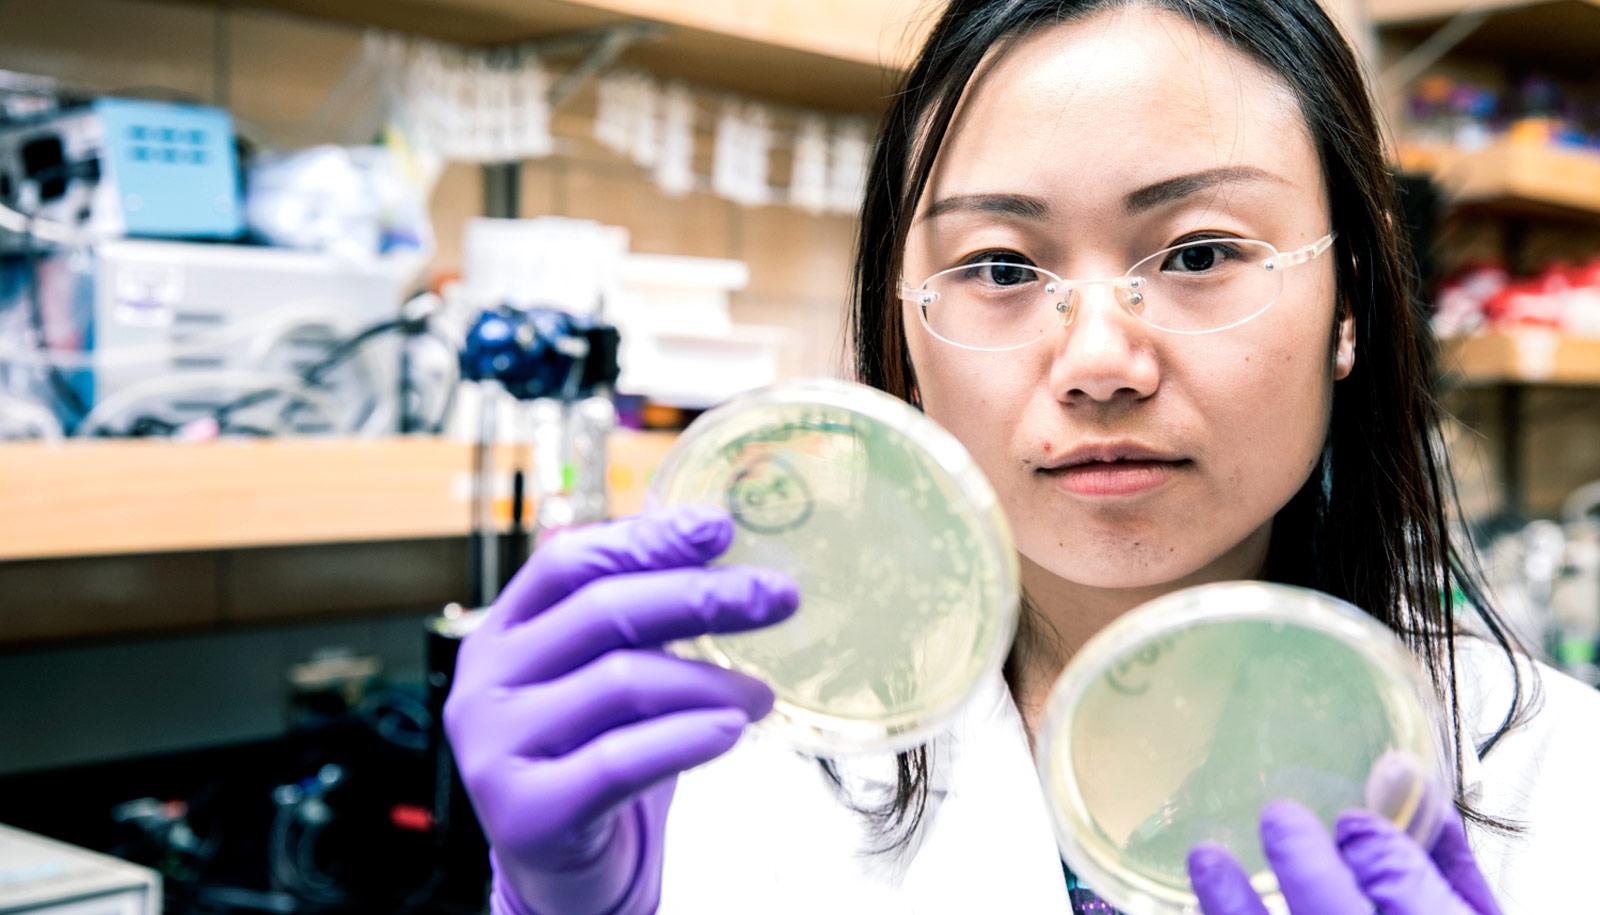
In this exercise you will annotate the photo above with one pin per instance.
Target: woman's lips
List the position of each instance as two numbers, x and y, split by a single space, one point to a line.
1114 478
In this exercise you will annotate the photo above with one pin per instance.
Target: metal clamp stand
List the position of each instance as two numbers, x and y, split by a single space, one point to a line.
560 370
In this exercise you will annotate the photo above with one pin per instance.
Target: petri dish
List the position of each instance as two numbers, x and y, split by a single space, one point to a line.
906 570
1179 722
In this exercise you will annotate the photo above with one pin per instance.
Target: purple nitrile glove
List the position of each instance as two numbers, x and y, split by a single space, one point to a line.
1367 865
569 724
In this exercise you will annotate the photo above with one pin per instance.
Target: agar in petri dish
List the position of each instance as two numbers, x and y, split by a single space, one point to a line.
1179 722
907 575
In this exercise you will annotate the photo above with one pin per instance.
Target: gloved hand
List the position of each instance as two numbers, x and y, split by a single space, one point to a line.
569 725
1367 865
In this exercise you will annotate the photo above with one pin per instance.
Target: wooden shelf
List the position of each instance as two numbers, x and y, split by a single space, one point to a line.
1527 357
1513 178
83 498
837 55
1546 36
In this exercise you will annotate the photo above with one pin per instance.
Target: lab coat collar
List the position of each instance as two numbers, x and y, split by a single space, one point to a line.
1471 774
1483 694
986 813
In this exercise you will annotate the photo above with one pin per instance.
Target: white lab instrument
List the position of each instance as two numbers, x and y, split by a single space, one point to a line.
40 876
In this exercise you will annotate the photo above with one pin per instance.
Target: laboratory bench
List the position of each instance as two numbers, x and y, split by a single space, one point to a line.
380 840
109 538
117 496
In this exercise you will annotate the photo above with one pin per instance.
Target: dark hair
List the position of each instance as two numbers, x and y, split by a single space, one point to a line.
1376 516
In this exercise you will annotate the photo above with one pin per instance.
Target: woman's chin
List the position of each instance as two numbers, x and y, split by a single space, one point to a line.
1123 573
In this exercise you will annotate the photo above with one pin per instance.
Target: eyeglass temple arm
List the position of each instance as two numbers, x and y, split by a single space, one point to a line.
1309 252
910 293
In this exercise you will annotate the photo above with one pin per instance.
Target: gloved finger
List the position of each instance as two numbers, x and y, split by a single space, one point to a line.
1221 884
642 610
624 687
625 761
1393 869
1399 789
673 538
1453 856
1311 874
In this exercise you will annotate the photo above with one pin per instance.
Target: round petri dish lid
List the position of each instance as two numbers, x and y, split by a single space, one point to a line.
1179 722
907 575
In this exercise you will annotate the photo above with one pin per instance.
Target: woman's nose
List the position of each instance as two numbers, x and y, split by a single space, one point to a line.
1103 353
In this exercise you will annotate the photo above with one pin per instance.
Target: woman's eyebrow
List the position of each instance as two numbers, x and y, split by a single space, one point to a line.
1172 189
1024 206
1017 206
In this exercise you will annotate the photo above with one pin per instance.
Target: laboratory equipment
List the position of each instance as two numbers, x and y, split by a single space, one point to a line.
355 202
1574 587
682 346
1544 578
125 167
40 876
559 368
907 575
176 330
1179 722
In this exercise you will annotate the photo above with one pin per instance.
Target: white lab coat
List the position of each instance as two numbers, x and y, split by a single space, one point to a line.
762 830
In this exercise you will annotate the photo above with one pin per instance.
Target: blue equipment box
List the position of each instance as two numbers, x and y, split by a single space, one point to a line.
126 167
173 166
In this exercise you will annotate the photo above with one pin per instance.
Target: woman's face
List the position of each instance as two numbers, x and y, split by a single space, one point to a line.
1083 148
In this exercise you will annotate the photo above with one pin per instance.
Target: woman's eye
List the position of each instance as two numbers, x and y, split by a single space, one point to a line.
1199 257
1001 269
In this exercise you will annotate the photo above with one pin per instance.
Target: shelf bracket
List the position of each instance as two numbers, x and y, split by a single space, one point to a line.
601 48
1457 29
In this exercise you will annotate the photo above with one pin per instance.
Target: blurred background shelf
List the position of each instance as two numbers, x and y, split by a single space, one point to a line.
1525 358
87 498
791 51
1488 100
1513 178
1559 36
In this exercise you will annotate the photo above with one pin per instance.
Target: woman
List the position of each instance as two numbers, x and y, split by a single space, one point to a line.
1196 425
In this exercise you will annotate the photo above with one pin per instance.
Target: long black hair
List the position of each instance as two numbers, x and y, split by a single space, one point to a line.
1372 526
